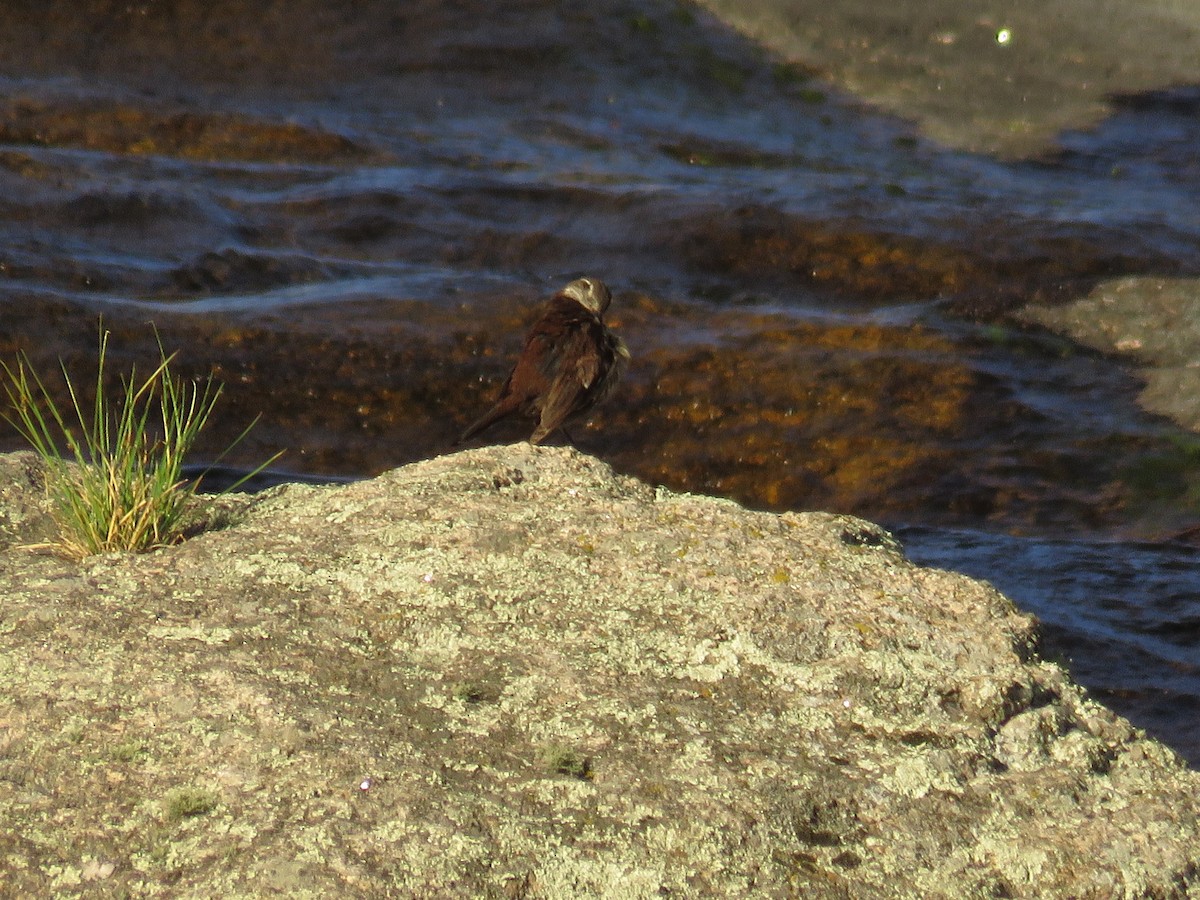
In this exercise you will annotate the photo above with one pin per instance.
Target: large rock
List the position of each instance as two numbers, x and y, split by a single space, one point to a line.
509 672
995 78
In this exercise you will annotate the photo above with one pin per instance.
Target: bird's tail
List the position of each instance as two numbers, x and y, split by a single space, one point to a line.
493 415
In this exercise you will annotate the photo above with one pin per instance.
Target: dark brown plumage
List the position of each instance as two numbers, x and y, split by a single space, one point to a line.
570 362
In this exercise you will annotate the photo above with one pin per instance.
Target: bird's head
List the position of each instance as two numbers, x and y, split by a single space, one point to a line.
590 293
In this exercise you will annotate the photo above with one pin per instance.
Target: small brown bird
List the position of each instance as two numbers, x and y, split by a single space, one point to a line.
570 362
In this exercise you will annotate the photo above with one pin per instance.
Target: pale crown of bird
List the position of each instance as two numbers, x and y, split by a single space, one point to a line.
590 294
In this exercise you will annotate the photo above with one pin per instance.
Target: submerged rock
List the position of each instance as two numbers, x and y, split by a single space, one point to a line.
1148 320
977 76
510 672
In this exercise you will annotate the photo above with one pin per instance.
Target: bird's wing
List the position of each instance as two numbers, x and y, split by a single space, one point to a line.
587 367
569 389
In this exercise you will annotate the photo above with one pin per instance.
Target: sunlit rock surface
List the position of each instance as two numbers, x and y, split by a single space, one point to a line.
509 672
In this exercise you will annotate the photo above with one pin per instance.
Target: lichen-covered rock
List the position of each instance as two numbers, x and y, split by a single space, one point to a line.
510 673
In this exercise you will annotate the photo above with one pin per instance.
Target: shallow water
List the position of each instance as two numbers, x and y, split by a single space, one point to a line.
814 295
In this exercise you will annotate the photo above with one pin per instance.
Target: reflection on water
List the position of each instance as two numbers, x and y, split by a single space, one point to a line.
352 238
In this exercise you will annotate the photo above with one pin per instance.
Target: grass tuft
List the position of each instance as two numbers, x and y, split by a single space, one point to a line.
186 802
563 760
114 470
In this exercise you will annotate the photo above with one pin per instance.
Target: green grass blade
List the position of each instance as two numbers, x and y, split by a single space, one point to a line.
125 490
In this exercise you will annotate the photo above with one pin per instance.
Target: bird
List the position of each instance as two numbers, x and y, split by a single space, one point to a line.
571 361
